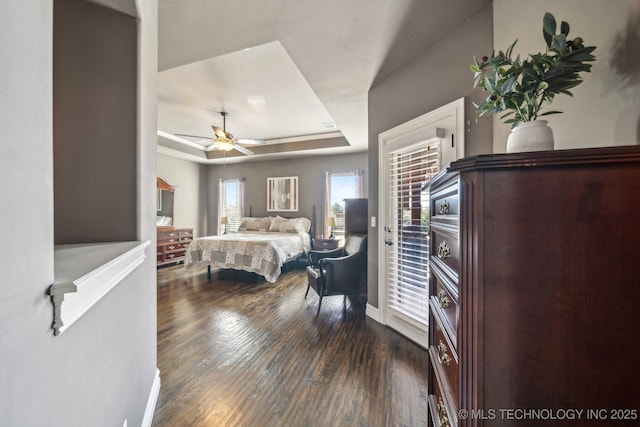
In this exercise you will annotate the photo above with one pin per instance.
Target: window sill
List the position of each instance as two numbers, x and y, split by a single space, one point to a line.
85 273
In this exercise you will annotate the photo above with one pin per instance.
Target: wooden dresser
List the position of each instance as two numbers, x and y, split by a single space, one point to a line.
172 243
324 244
535 289
356 216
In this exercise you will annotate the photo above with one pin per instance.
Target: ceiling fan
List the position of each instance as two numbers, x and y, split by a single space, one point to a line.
223 140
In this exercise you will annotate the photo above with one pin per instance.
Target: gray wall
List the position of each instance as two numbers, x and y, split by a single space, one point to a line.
99 372
439 75
94 123
310 172
190 180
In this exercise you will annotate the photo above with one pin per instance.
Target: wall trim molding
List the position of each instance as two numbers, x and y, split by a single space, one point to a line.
94 269
373 313
151 401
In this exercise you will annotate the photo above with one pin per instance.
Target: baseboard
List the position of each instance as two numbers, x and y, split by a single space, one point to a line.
151 401
373 313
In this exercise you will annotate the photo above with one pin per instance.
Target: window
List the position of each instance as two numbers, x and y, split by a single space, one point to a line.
230 203
340 186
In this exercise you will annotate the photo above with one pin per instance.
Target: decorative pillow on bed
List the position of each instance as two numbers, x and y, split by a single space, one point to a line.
290 225
254 224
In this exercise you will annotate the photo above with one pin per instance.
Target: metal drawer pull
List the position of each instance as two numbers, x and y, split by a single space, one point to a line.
443 355
444 207
443 299
444 251
442 413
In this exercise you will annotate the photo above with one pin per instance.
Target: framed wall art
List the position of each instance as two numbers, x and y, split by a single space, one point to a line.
282 194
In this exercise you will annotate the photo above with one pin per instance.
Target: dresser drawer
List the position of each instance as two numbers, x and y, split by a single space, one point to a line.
168 235
325 244
175 256
444 359
172 244
443 411
445 250
444 301
445 202
446 206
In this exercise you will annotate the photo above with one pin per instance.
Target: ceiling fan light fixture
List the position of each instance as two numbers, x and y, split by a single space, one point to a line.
223 145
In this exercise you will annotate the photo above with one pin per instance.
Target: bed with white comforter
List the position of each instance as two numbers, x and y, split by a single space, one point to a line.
262 246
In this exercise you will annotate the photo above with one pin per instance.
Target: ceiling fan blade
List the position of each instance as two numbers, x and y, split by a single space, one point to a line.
219 132
251 141
242 149
193 136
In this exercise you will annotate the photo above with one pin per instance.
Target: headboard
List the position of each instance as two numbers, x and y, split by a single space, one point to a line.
312 229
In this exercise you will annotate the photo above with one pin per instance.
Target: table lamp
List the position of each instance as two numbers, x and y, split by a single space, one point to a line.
331 222
224 221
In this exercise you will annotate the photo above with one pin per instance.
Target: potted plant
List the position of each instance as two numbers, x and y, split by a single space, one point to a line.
523 87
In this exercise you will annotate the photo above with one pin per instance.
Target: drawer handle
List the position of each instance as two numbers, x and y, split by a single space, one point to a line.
444 251
443 355
443 299
442 413
444 207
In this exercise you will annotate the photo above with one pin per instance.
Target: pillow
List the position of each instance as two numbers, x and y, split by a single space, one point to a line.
163 221
290 225
254 224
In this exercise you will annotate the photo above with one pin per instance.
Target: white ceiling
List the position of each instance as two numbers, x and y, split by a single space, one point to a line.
283 69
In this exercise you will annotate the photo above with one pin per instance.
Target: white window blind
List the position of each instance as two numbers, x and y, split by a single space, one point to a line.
407 257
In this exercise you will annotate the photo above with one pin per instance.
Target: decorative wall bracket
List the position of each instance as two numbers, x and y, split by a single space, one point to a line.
57 291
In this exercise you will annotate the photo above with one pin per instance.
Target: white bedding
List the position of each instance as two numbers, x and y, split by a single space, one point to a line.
261 252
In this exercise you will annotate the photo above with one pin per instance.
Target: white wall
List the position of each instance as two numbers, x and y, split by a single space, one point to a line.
99 372
602 112
190 197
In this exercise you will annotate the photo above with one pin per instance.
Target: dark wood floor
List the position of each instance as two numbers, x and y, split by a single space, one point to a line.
256 354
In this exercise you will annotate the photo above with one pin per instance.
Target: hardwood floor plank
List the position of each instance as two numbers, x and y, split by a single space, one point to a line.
256 354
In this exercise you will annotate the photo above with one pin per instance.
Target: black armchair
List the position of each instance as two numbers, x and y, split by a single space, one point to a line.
337 272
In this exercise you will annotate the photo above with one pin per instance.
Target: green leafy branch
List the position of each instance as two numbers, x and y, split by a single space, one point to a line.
523 87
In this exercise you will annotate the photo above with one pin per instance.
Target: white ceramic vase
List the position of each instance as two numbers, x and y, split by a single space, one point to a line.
530 136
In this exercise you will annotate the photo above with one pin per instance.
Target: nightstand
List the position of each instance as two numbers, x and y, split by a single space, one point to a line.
325 244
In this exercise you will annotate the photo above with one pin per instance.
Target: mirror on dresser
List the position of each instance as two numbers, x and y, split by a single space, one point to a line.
172 241
164 216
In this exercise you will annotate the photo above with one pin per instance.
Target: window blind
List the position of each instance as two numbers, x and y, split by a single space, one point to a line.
407 257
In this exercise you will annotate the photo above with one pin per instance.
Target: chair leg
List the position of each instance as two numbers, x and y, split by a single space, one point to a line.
307 293
319 304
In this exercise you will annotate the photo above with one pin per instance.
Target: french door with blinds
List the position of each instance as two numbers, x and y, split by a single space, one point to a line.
406 233
410 156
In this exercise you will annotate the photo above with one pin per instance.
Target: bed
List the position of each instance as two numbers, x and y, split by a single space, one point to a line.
261 245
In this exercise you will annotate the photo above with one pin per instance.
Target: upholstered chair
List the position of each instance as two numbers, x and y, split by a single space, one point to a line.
338 271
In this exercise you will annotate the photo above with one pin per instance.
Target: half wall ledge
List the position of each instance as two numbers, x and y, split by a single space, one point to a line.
85 273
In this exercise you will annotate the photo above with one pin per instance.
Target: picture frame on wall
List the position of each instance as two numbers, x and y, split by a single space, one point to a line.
282 194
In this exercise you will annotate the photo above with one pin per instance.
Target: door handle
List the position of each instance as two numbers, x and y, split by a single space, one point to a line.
388 242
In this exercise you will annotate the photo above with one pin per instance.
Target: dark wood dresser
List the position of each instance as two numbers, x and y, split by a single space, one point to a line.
356 216
535 289
324 244
172 244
